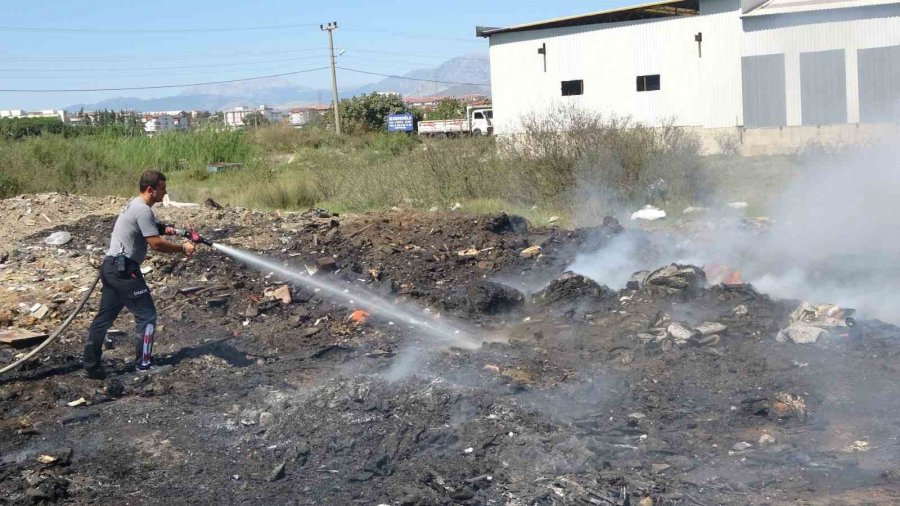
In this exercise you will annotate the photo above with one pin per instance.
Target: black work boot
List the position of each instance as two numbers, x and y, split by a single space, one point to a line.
95 373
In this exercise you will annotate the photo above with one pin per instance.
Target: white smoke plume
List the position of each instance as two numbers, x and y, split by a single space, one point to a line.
835 238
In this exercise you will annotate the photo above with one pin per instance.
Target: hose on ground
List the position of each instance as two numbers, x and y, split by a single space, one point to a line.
59 330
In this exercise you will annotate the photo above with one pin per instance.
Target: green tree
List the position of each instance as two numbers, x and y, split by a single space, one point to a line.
367 111
255 119
448 108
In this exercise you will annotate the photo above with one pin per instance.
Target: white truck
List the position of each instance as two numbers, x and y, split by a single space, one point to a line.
478 121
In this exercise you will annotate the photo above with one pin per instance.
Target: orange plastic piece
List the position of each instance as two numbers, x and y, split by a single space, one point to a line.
359 316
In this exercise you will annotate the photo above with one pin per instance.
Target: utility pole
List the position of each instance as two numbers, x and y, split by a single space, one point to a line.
330 27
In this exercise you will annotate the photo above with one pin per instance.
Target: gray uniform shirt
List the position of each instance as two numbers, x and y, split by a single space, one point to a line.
133 226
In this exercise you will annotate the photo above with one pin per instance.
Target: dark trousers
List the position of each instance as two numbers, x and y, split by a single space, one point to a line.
122 289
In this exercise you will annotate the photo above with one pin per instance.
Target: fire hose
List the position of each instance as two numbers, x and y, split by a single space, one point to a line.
190 234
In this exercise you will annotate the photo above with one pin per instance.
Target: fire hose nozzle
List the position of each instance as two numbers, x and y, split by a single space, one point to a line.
193 236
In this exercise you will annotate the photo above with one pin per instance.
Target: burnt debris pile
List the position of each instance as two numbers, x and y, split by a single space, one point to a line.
682 386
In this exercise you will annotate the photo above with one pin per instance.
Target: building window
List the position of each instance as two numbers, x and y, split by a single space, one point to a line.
572 87
648 83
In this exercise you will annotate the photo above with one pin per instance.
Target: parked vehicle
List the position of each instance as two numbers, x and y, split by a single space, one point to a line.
479 120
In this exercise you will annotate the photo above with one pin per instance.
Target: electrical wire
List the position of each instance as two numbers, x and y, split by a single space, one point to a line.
398 53
410 78
99 31
166 56
162 86
411 35
180 67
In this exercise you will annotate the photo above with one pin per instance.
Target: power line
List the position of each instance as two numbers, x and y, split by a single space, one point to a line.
157 87
96 31
399 53
413 35
181 67
167 56
410 78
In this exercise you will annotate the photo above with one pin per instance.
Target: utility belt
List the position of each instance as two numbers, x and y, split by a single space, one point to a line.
122 263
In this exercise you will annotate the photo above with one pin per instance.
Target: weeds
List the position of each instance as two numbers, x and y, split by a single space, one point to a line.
568 160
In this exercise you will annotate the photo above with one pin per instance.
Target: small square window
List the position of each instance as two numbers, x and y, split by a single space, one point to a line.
572 87
648 83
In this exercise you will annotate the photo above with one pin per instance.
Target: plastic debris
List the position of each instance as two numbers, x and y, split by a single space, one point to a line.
58 238
648 213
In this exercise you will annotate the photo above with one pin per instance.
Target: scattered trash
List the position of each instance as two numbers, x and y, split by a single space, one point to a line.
468 450
742 446
40 312
859 446
648 213
676 279
766 440
46 459
709 328
681 332
78 402
326 264
282 293
531 251
786 405
799 333
738 205
277 473
359 316
21 337
167 202
58 238
552 220
456 206
266 419
147 269
694 210
434 209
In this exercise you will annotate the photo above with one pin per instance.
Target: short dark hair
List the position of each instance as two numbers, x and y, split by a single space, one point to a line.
150 179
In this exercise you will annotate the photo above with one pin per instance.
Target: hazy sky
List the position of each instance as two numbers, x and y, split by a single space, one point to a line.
56 44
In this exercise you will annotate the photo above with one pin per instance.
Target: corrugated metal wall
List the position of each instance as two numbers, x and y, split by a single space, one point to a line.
763 90
823 87
879 84
794 35
701 91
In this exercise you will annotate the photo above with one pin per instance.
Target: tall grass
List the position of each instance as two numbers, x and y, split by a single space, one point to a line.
562 161
104 164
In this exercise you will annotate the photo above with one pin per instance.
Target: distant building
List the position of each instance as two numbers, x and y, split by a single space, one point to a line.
303 115
423 102
163 122
46 113
235 117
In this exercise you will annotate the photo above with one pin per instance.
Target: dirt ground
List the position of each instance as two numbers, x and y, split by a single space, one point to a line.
578 394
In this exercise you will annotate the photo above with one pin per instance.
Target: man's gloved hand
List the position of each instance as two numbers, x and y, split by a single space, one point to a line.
165 229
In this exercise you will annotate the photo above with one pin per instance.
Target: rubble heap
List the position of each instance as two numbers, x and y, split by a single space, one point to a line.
667 391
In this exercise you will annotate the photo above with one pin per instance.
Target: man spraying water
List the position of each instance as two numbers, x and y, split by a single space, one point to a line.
123 283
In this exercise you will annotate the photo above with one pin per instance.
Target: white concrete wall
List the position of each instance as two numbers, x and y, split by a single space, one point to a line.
694 90
847 29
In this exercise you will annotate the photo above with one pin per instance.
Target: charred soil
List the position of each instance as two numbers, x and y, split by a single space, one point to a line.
670 390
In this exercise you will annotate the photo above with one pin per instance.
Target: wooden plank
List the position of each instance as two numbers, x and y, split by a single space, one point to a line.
21 337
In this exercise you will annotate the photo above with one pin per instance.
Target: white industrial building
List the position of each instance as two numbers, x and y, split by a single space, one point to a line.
706 63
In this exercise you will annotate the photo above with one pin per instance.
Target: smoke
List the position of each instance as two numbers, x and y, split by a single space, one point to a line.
834 238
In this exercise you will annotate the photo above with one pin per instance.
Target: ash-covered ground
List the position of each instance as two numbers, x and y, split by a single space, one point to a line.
671 390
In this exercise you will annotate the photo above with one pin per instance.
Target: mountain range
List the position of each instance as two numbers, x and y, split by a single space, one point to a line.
458 76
